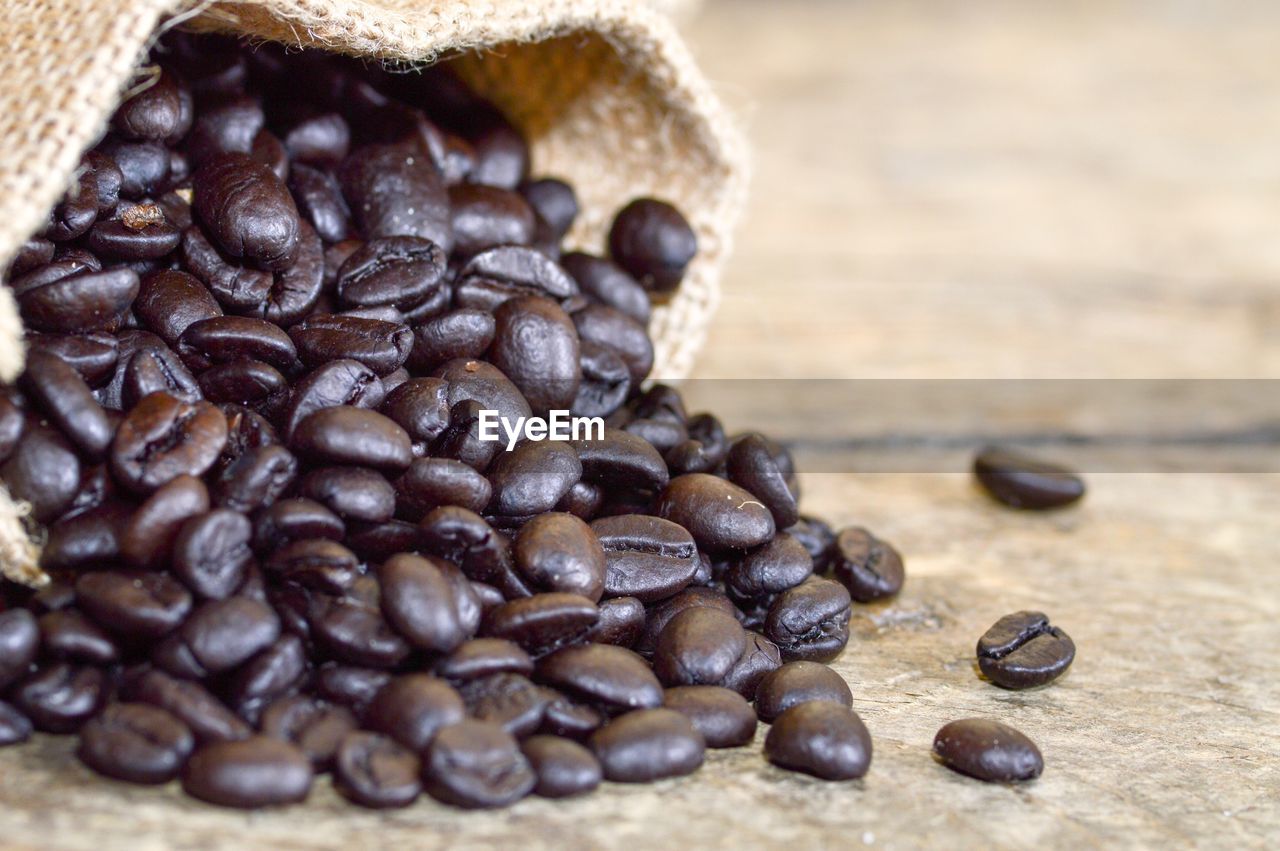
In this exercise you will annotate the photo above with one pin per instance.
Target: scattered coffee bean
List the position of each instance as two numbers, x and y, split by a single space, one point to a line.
1020 481
868 567
1023 650
820 738
987 750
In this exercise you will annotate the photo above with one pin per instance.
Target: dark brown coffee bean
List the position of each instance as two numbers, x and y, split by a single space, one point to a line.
613 677
486 216
401 271
559 552
338 382
353 493
349 685
227 126
163 438
247 210
394 190
192 704
1024 650
374 771
722 716
43 470
536 346
751 465
56 387
421 602
381 346
135 742
420 406
554 202
1023 482
870 568
249 774
563 767
563 717
719 514
60 697
484 657
89 301
86 537
458 334
162 112
256 479
320 201
293 519
141 605
229 338
699 646
346 435
92 355
141 233
218 636
509 271
315 727
621 622
773 568
413 708
355 632
433 482
645 557
211 553
614 330
67 634
647 745
510 700
987 750
19 642
171 301
810 621
542 622
820 738
15 727
245 382
608 284
532 478
654 243
799 682
144 166
817 539
146 541
317 564
476 764
12 423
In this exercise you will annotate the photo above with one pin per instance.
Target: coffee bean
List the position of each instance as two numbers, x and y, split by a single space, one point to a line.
870 568
163 438
350 686
820 738
88 301
293 519
191 703
58 389
144 166
420 406
43 470
654 243
563 717
374 771
394 190
476 764
1024 650
614 330
722 716
558 552
606 282
249 774
413 708
781 564
536 346
60 697
355 631
229 126
613 677
381 346
532 478
751 465
507 699
810 621
799 682
67 634
247 210
509 271
353 436
563 767
421 603
647 745
987 750
218 636
256 479
621 622
483 657
661 614
315 727
161 112
401 271
146 540
143 605
19 642
272 673
720 515
554 202
458 334
433 482
487 216
645 557
1020 481
606 381
15 727
542 622
135 742
319 200
246 382
92 355
699 646
211 553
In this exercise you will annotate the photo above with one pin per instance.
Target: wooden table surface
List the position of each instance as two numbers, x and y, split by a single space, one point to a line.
1017 189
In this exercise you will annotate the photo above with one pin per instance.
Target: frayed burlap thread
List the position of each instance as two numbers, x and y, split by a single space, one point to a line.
605 90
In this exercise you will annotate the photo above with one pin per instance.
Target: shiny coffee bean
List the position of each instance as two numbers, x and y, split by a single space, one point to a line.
536 346
608 284
19 643
420 406
654 243
60 697
135 742
218 636
67 634
381 346
484 657
486 216
423 604
43 470
647 745
355 632
1020 481
247 210
817 539
698 647
645 557
433 482
248 774
347 435
810 621
316 564
211 553
92 355
134 605
771 569
621 622
820 738
464 333
85 537
870 568
563 767
720 515
53 385
15 727
293 519
320 202
222 339
146 541
1024 650
394 190
510 700
401 271
559 552
476 764
89 301
245 382
316 728
163 438
751 465
987 750
171 301
412 709
338 382
722 716
374 771
612 677
509 271
799 682
532 478
191 703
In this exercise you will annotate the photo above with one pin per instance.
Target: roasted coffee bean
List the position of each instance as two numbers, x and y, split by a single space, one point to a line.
77 210
135 605
722 716
56 387
402 271
146 541
92 355
476 764
381 346
810 621
413 708
719 514
349 685
320 202
605 384
43 470
507 699
433 482
773 568
563 717
152 369
338 382
420 406
353 493
269 150
374 771
85 537
645 557
218 636
35 252
15 727
318 564
355 632
421 602
247 210
799 682
144 166
509 271
614 330
122 239
613 677
606 282
163 438
621 622
19 642
245 382
559 552
817 539
1020 481
249 774
647 745
563 767
662 613
870 568
293 519
554 201
699 646
211 553
820 738
461 441
229 338
60 697
160 112
654 243
486 216
67 634
348 435
462 333
394 190
1024 650
321 138
206 716
88 301
135 742
236 287
751 465
542 622
987 750
256 479
315 727
532 478
227 126
484 657
171 301
536 346
622 461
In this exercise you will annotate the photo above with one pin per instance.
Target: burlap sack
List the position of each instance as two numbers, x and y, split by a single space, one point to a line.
605 90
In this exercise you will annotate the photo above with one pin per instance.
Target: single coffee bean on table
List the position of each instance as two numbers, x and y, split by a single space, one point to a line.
1024 650
1022 481
987 750
265 336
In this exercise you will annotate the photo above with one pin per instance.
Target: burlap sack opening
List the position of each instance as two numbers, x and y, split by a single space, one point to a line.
604 89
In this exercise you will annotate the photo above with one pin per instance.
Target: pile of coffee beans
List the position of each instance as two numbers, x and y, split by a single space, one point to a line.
264 330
